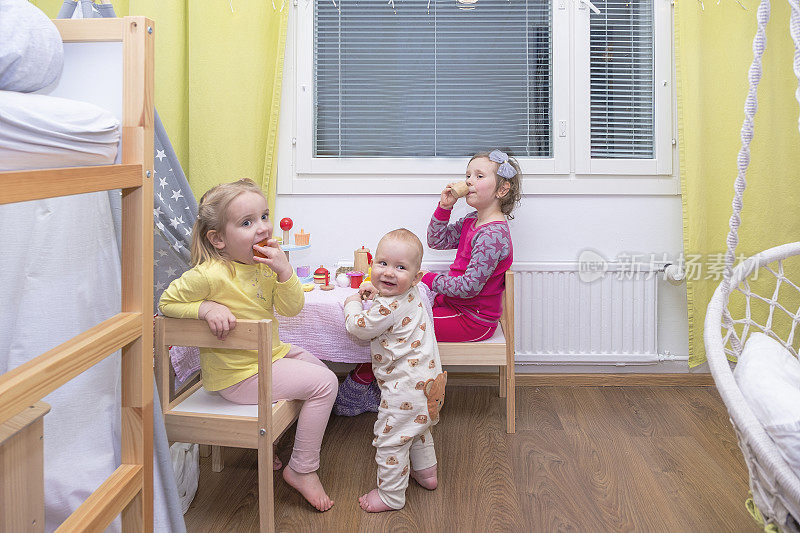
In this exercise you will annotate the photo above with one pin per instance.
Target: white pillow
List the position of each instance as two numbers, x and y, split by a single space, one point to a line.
769 377
40 131
31 51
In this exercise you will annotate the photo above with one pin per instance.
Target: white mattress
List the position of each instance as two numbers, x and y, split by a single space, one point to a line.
203 401
40 131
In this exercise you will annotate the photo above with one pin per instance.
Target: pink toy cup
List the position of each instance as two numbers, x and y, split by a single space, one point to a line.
356 277
303 271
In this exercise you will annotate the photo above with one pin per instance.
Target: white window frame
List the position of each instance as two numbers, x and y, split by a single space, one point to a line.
570 171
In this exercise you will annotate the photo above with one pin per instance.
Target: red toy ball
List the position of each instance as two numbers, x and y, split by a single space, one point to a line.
286 224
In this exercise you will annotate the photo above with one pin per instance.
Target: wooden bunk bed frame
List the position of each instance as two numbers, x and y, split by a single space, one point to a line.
129 490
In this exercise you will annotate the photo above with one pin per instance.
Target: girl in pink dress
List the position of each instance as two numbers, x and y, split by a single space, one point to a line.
468 302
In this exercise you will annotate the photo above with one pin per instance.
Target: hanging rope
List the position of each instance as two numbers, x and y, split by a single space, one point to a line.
750 108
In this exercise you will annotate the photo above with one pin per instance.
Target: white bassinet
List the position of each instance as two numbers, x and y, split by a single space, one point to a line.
764 300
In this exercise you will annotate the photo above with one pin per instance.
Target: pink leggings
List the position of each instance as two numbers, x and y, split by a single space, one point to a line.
453 326
297 376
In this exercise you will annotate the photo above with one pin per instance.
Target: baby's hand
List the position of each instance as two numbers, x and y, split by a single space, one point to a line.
353 298
275 259
220 319
448 199
367 291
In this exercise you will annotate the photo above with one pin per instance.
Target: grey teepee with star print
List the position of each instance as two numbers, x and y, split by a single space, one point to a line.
174 213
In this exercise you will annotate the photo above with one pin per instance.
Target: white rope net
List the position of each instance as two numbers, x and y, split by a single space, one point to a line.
776 315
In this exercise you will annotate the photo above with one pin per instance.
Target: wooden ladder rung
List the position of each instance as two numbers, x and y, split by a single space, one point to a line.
105 503
26 185
31 381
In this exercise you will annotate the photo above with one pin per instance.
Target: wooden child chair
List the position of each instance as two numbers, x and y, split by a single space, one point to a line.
498 350
192 414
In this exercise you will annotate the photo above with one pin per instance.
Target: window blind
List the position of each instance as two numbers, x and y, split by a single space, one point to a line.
432 79
622 71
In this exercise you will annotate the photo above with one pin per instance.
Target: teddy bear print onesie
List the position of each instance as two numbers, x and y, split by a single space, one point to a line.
405 360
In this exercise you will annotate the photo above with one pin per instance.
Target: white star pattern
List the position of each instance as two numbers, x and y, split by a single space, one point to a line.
173 228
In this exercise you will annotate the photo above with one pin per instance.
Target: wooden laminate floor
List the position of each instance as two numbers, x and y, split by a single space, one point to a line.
583 459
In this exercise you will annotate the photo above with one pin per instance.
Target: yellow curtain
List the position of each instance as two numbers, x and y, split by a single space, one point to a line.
219 68
713 56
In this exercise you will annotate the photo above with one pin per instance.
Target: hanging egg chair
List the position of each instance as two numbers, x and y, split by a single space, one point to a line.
757 297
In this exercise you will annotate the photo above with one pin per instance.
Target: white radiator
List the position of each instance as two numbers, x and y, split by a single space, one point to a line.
561 319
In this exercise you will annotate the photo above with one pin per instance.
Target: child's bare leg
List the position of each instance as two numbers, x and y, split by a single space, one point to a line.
423 461
310 487
427 477
299 375
371 502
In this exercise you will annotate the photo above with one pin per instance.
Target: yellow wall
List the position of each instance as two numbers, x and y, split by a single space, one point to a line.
218 80
714 52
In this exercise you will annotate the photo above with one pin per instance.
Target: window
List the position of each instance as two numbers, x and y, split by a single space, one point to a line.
409 88
427 79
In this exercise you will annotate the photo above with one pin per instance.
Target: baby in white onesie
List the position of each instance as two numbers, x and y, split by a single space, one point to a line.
405 360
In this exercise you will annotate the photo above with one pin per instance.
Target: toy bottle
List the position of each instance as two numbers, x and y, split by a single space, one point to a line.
362 259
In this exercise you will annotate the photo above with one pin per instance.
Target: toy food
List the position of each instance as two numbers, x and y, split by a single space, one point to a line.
259 254
362 259
302 238
307 287
459 188
322 276
342 280
286 224
326 287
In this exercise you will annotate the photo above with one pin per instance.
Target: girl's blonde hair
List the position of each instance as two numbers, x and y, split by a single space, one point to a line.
212 214
514 194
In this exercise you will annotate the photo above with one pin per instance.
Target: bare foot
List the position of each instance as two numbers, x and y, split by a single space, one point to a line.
309 486
372 503
426 477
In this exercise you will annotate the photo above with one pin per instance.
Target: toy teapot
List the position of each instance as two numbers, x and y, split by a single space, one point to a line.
362 259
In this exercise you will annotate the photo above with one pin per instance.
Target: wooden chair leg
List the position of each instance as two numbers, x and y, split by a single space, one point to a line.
511 401
266 492
503 381
217 462
205 450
